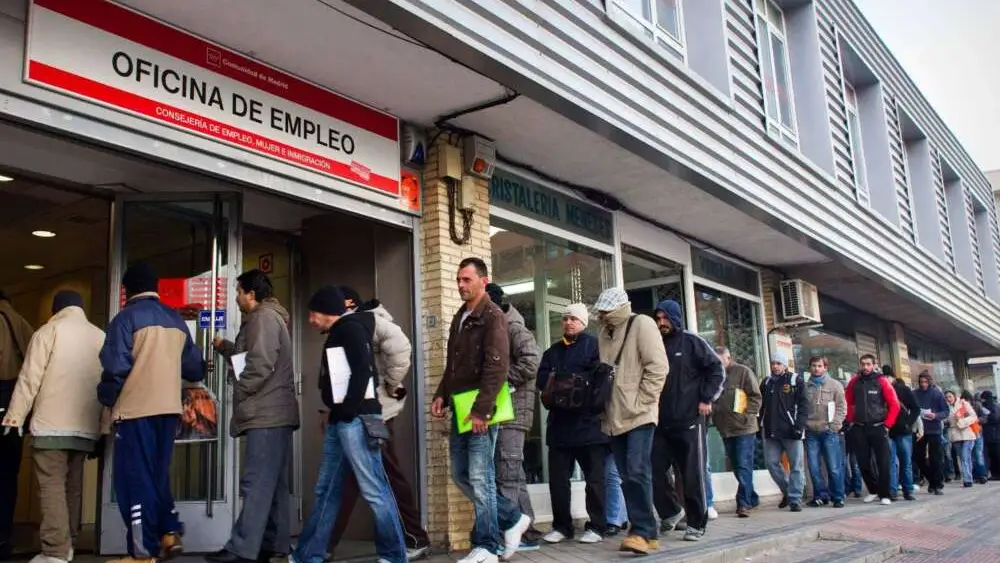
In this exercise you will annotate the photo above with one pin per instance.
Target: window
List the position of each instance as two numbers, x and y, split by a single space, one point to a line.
772 45
857 150
657 20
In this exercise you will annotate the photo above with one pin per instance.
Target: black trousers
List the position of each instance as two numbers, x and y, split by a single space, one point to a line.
10 464
682 449
871 445
927 452
561 464
993 460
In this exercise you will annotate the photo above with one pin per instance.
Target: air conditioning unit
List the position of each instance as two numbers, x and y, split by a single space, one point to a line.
799 302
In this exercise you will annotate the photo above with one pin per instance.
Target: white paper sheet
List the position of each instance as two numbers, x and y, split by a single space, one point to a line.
239 364
340 375
831 409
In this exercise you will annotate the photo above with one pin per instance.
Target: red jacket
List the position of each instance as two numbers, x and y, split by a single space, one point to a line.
871 400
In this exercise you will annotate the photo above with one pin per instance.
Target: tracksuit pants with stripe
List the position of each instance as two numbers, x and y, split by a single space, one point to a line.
142 451
682 449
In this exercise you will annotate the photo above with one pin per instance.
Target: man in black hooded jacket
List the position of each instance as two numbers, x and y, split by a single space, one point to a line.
694 382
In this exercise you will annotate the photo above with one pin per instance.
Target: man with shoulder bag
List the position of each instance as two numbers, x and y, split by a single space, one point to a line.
573 429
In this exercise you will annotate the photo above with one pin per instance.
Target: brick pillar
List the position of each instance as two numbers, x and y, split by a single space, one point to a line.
769 292
900 353
449 514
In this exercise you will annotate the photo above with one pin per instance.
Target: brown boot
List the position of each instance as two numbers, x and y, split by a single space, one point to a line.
171 546
743 512
635 544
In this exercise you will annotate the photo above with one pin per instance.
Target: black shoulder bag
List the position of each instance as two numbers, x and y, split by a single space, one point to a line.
567 391
602 379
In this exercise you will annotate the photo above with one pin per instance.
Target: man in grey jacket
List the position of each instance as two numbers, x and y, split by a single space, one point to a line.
827 410
265 414
524 359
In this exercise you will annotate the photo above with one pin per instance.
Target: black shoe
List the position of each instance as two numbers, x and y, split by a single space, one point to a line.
226 556
612 531
817 502
838 504
796 507
6 550
982 480
909 496
938 492
784 503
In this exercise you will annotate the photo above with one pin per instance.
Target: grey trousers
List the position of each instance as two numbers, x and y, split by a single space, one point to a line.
263 523
509 458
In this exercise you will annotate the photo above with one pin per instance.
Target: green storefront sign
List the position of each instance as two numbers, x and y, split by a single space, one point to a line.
529 198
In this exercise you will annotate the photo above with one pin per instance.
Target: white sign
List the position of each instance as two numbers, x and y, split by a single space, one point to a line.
115 56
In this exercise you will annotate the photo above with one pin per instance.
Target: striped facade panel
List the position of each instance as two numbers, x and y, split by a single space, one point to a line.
899 167
741 44
970 213
834 86
942 203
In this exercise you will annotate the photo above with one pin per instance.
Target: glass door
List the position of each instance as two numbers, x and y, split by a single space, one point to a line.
193 244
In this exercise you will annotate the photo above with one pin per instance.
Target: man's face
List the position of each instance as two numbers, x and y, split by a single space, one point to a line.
663 321
867 366
727 359
321 322
470 285
244 300
572 326
777 368
924 383
817 368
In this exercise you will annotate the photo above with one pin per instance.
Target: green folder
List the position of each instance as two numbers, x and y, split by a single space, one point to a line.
463 406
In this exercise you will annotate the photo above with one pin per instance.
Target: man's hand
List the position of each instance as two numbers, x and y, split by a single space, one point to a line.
479 425
217 342
704 409
9 425
324 417
437 408
930 415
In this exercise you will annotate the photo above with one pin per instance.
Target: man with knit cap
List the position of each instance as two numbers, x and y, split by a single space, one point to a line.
15 333
147 353
56 386
355 432
573 433
512 483
632 344
784 415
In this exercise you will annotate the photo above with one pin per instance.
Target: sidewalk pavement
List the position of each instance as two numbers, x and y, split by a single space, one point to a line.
957 527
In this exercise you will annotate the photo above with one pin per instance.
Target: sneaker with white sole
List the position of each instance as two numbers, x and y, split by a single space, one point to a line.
479 555
712 513
42 558
870 499
417 552
886 502
590 536
670 524
555 536
512 537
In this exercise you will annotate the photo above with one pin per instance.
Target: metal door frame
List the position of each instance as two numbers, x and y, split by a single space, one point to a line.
208 523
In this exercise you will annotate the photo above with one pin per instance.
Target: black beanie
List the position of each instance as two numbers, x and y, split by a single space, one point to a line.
495 292
140 278
66 298
328 301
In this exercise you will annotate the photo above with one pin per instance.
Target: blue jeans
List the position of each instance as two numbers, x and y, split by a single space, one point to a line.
792 485
346 450
979 459
740 450
473 470
709 494
616 514
901 450
964 452
825 445
852 471
632 456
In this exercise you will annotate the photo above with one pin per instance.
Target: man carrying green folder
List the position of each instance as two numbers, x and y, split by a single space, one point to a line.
478 361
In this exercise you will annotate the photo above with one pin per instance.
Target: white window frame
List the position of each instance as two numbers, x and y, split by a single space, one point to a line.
856 141
769 75
661 37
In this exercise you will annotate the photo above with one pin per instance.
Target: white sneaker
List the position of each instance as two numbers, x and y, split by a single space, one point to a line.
590 536
512 537
72 553
870 499
712 513
555 536
42 558
916 488
479 555
886 501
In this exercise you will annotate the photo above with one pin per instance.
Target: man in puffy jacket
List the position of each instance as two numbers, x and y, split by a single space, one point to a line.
524 359
933 411
573 435
393 351
783 417
265 415
695 382
56 385
872 409
147 352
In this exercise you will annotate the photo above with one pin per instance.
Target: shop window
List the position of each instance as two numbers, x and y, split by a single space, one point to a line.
650 279
542 274
841 351
924 356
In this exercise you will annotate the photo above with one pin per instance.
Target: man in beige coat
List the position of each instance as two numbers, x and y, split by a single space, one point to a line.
56 385
632 344
15 333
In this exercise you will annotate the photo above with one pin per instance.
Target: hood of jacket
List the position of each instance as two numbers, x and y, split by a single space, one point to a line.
376 308
514 317
273 304
672 310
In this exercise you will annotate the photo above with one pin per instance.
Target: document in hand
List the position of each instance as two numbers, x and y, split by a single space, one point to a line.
740 402
239 364
463 406
340 375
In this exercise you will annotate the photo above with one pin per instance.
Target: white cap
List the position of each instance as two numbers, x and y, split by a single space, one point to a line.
578 310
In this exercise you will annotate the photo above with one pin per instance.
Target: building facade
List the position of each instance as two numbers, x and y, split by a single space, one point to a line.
729 154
